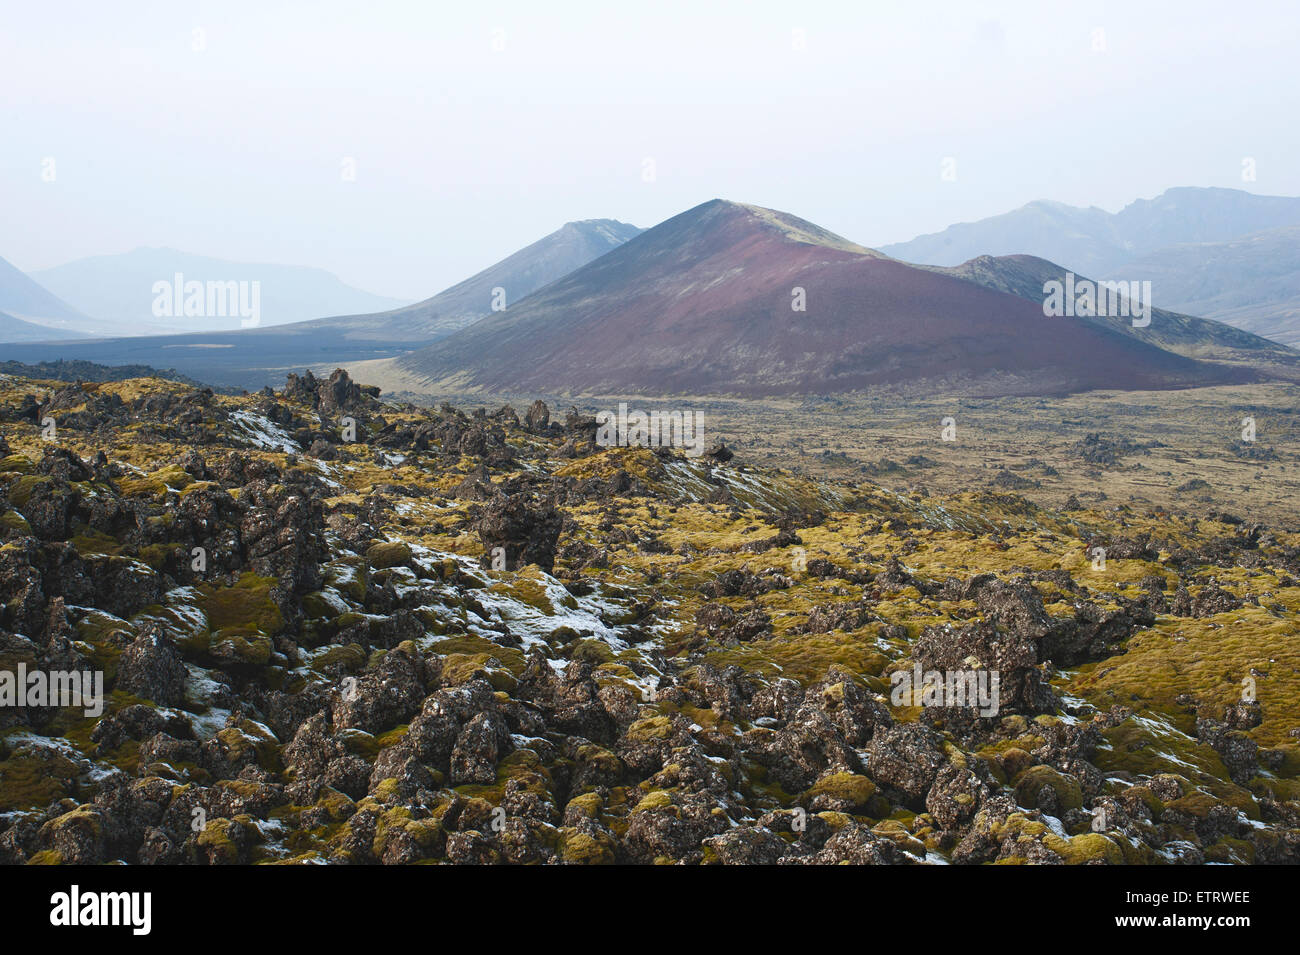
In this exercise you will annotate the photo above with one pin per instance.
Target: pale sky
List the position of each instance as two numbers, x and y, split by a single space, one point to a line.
476 128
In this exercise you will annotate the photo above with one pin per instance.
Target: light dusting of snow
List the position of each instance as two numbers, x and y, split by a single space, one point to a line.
262 432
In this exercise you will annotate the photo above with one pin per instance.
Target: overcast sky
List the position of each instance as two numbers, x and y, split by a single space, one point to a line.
225 128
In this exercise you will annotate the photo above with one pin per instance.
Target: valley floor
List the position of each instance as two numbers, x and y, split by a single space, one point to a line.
1177 450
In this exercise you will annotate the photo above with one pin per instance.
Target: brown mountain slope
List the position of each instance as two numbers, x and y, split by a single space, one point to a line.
702 304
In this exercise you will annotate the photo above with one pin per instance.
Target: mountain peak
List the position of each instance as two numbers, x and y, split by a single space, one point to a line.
611 232
790 227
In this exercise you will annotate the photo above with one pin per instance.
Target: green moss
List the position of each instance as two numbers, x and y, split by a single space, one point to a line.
658 799
1196 803
1288 760
359 743
1018 826
1068 793
217 840
806 658
897 832
336 804
1143 751
1149 799
1132 748
90 541
849 788
83 822
323 605
235 646
187 628
836 820
388 554
524 767
247 604
469 645
348 575
388 790
351 657
1088 848
32 778
600 758
581 848
1208 659
20 491
16 463
392 736
1281 790
159 556
529 587
1231 852
458 668
650 728
589 804
249 737
426 833
591 651
171 478
15 523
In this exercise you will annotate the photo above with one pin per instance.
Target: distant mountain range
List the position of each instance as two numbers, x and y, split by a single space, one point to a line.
119 291
1221 253
27 306
250 358
728 298
704 303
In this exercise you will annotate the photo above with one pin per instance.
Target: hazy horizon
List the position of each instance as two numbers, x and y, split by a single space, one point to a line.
472 135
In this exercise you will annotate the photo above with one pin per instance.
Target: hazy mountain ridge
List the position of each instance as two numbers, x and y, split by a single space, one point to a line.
1094 240
250 358
26 300
572 245
1219 253
1026 275
119 290
1252 282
